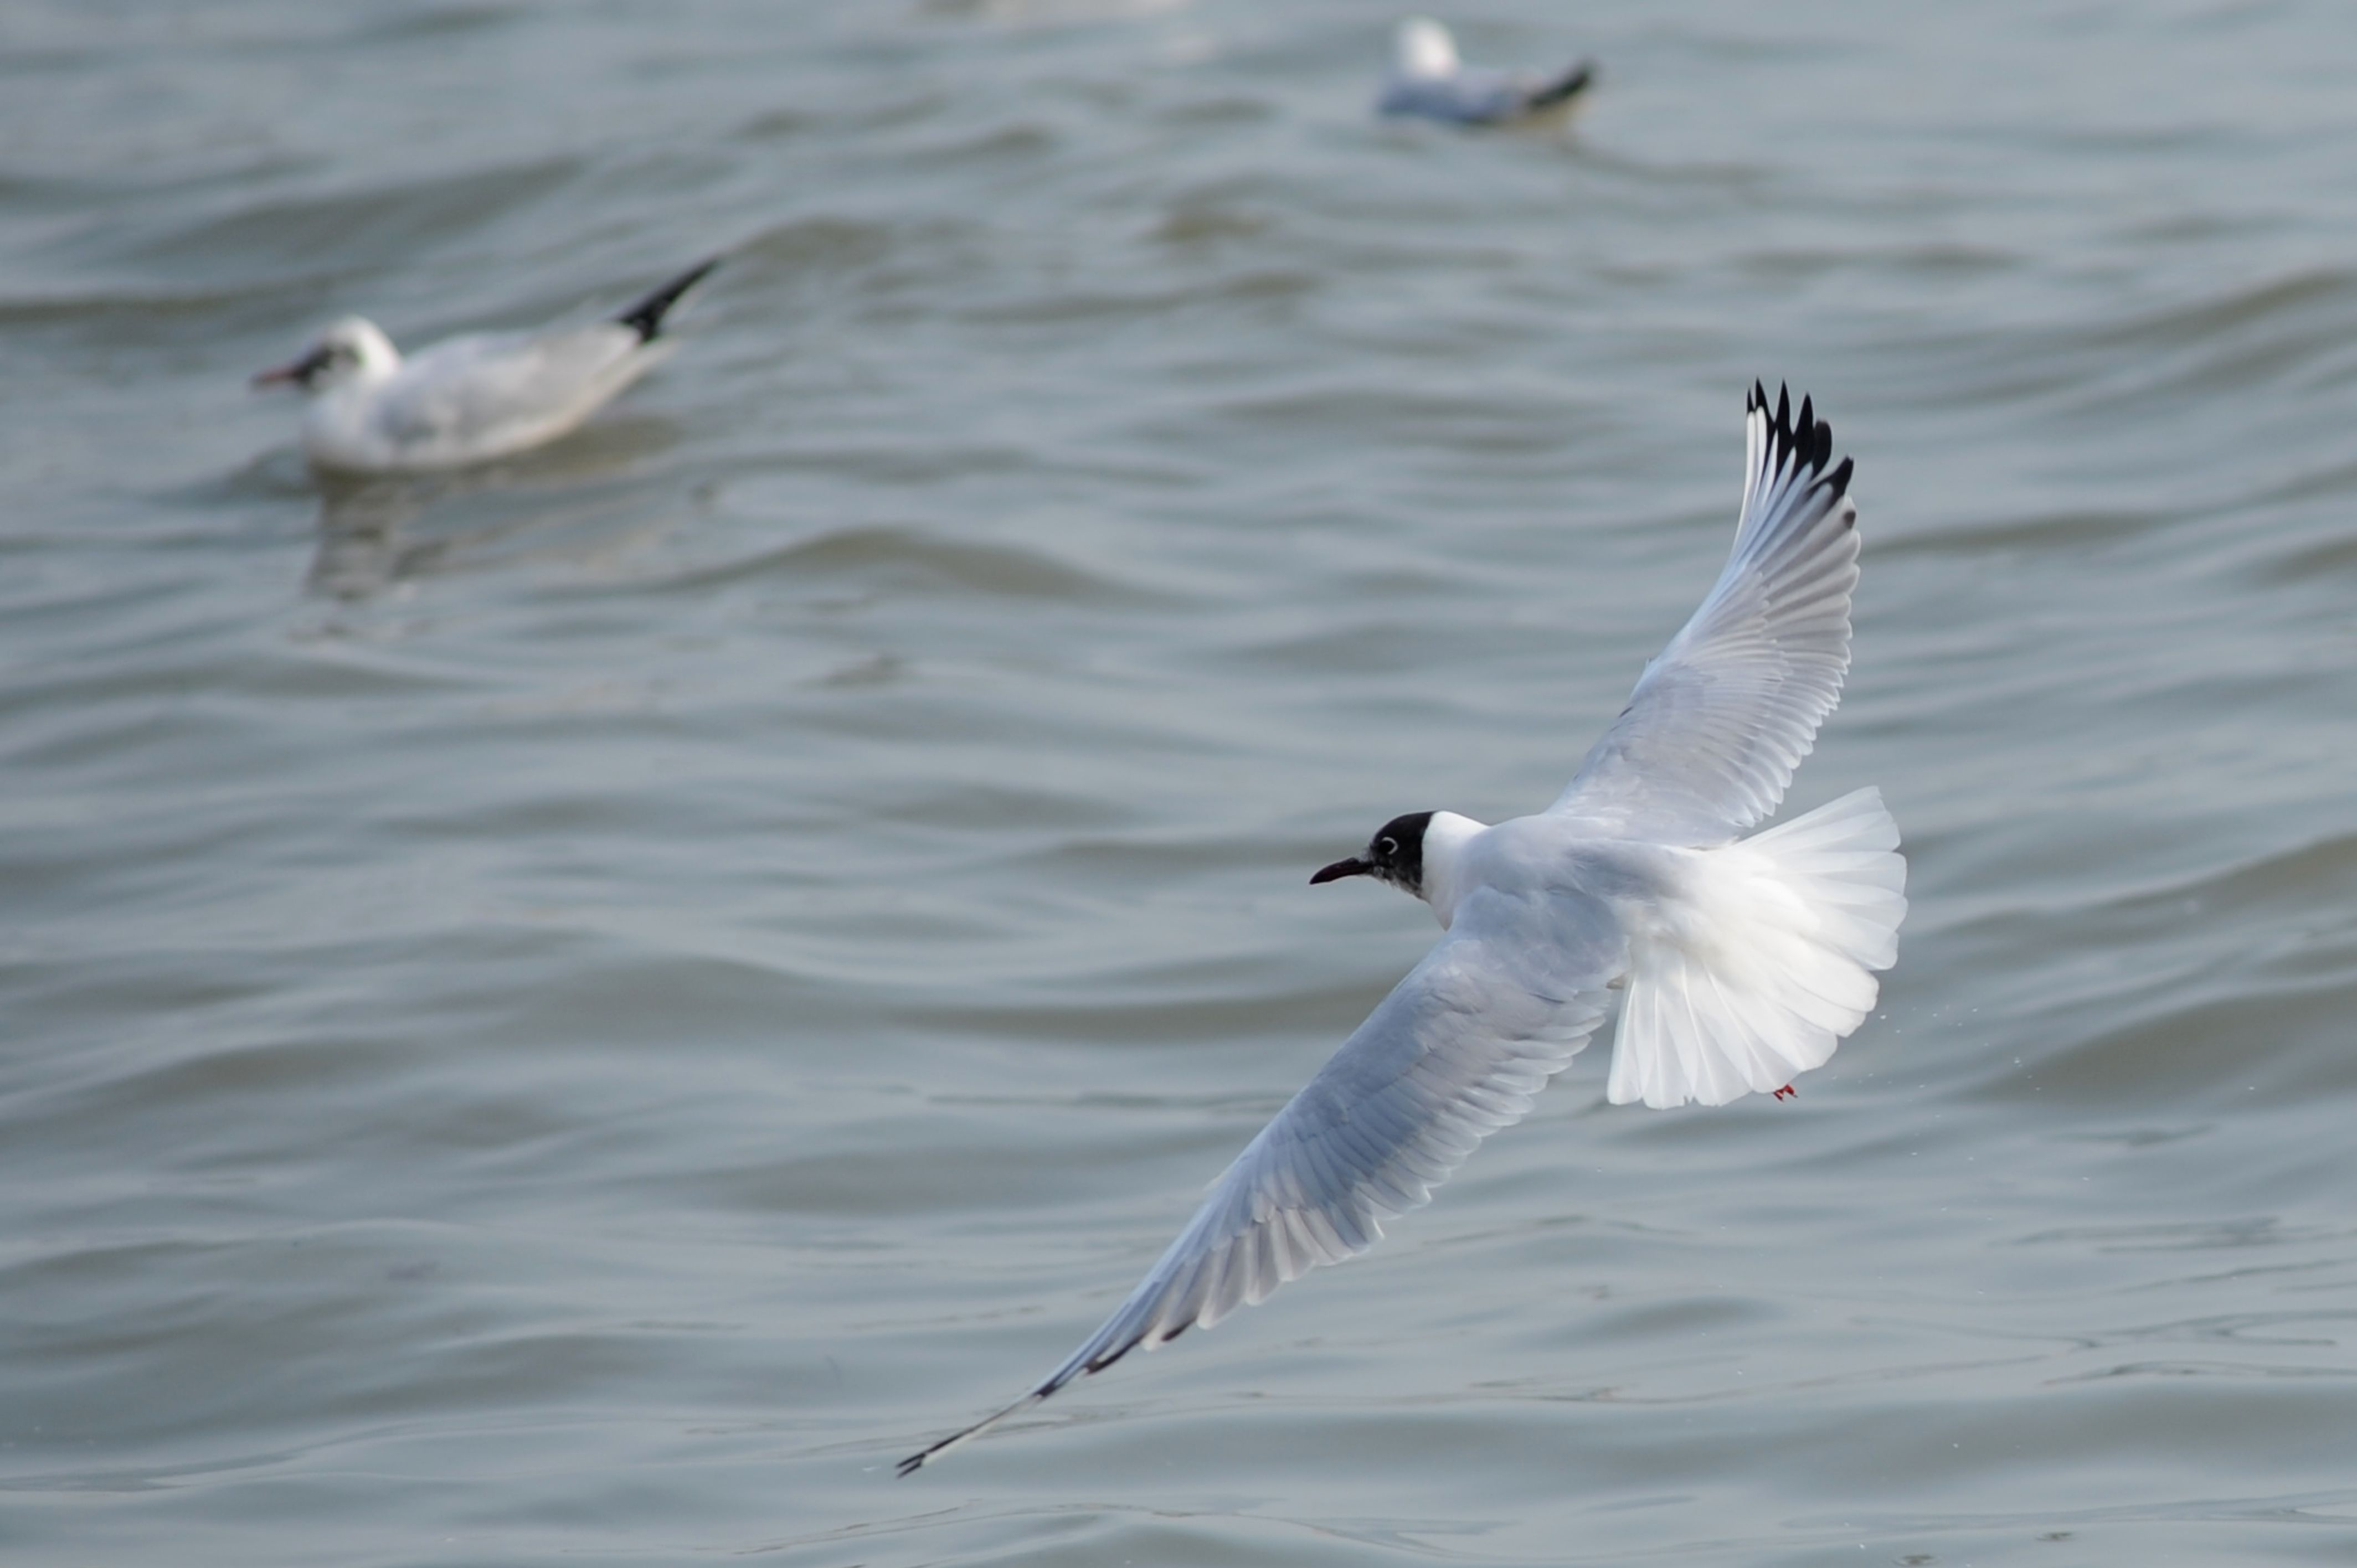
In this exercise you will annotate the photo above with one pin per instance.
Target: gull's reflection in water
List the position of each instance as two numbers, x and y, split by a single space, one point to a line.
363 550
376 534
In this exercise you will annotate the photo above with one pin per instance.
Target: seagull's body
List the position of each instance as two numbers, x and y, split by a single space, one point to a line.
467 400
1429 82
1743 961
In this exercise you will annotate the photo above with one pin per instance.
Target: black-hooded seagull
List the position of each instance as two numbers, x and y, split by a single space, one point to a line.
1742 961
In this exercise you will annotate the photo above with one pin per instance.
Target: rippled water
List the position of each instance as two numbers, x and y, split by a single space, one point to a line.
581 1010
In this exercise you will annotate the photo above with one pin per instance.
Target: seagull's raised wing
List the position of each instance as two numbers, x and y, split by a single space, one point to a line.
1459 1049
1717 723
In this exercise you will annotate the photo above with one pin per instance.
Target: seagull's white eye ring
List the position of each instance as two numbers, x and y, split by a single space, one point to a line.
1387 844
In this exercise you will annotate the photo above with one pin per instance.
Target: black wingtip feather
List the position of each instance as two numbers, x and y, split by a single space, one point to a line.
1107 1359
646 317
1569 85
918 1461
1808 438
1838 481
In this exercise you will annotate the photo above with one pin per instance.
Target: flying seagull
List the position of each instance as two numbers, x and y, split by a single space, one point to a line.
472 398
1743 961
1427 79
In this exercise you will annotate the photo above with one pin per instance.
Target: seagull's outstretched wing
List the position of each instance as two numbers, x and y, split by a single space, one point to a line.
1717 723
1458 1050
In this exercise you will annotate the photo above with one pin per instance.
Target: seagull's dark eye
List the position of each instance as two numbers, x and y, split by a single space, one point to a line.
1387 845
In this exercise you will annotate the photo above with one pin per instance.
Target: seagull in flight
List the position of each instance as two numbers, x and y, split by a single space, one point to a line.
468 399
1427 81
1742 961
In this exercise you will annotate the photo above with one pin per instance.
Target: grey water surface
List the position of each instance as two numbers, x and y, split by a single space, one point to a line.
576 1013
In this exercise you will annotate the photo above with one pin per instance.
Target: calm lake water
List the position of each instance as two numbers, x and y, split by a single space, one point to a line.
575 1013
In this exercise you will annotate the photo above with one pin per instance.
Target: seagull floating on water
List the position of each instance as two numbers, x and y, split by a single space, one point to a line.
1427 79
1743 961
472 398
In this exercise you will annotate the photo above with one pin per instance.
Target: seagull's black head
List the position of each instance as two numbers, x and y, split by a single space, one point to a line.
1395 855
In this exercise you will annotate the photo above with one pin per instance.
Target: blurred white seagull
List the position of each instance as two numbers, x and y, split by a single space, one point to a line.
1743 960
468 399
1427 79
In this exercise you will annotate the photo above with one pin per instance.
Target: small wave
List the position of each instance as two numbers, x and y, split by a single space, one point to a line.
348 229
908 559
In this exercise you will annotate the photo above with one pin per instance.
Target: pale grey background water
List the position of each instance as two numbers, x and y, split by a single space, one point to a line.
575 1014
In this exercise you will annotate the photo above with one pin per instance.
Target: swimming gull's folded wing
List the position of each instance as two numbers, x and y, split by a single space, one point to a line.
1717 723
489 392
1459 1049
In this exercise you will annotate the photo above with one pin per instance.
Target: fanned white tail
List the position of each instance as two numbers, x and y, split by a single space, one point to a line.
1764 961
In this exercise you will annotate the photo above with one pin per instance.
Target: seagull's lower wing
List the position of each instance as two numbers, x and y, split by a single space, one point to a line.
1717 723
1459 1049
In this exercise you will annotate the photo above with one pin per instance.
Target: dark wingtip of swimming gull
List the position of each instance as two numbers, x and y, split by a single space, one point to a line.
1564 88
646 318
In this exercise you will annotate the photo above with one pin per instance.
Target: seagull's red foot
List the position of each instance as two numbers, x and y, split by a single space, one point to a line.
1788 1088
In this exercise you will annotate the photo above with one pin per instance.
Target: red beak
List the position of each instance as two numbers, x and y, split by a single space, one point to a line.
296 370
